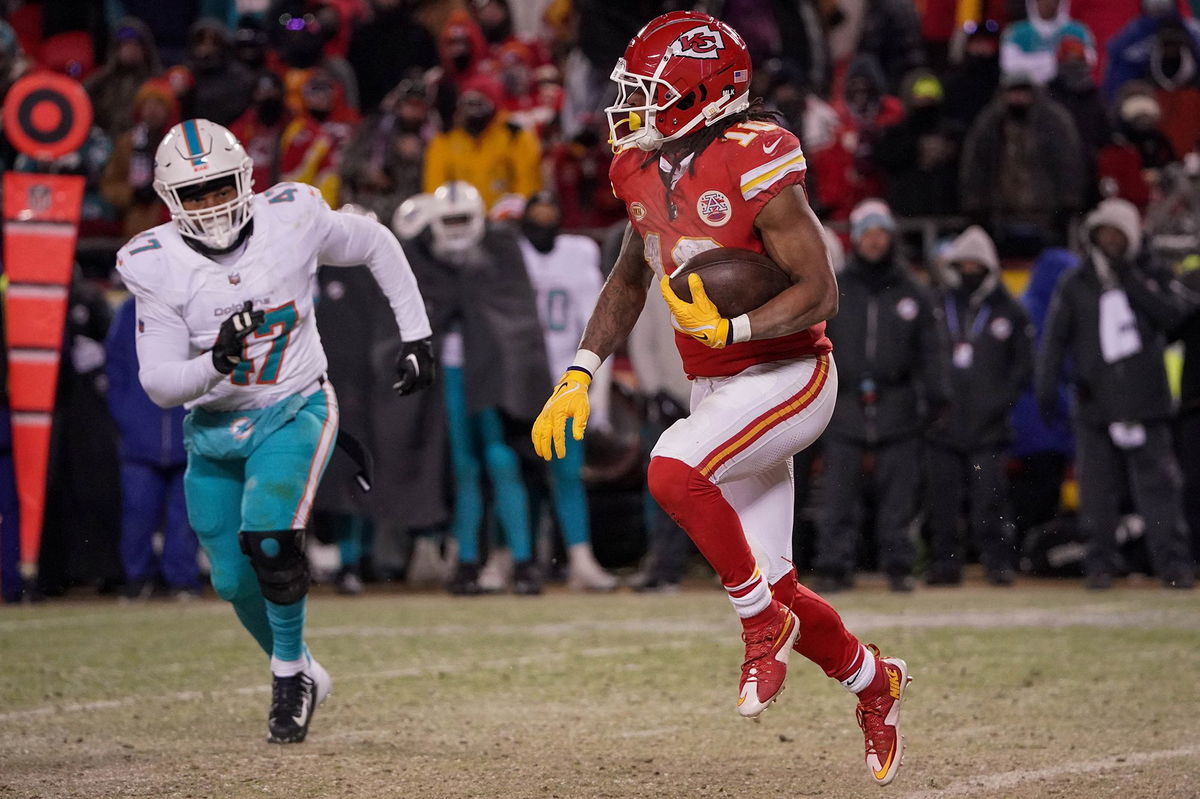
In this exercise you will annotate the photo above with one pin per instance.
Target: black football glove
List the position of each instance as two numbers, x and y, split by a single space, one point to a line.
416 367
227 352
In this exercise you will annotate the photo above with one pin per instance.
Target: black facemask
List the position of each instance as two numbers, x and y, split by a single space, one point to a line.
540 236
270 110
302 50
496 32
476 124
1018 112
972 282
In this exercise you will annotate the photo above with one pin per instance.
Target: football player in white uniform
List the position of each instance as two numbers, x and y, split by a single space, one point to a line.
226 328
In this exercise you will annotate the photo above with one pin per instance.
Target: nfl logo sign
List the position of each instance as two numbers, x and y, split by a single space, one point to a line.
235 278
713 208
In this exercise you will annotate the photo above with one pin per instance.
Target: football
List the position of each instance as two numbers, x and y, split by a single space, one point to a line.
737 281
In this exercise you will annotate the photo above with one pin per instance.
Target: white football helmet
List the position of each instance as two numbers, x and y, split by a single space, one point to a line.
457 218
197 152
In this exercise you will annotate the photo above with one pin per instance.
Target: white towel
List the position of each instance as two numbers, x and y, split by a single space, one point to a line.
1119 337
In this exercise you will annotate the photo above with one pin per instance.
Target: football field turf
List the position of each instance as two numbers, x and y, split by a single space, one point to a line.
1038 691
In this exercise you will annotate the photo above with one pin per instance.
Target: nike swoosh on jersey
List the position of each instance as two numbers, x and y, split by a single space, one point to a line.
772 148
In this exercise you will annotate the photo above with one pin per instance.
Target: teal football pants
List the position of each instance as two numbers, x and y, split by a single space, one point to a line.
268 484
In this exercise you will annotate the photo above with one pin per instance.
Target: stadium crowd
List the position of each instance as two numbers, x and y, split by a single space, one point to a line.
1012 197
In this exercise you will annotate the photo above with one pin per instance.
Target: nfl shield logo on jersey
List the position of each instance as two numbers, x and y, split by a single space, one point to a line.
713 207
235 278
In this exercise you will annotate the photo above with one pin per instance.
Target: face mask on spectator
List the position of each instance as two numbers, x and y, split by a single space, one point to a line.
270 110
1075 74
540 236
971 281
1018 112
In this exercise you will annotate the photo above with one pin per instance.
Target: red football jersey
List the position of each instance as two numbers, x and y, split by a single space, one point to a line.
712 203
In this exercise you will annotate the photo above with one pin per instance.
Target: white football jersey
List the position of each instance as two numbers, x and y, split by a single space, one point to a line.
567 281
183 297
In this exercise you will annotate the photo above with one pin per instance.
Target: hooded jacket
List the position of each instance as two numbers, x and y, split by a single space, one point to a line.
1031 45
222 90
990 350
113 87
1134 388
890 354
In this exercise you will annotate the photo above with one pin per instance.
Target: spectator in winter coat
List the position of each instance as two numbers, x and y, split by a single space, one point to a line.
579 169
920 153
1031 45
170 23
891 34
1042 445
383 162
1137 151
152 467
132 60
1075 90
1109 319
990 361
483 148
261 128
221 87
128 179
312 143
1023 170
972 81
385 49
891 381
1160 45
846 170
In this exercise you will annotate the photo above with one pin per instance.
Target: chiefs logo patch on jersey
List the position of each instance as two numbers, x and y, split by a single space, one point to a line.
714 208
637 210
699 42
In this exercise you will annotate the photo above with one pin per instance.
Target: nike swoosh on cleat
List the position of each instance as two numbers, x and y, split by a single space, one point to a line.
882 771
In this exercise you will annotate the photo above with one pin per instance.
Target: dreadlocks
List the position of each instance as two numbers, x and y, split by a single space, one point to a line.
698 142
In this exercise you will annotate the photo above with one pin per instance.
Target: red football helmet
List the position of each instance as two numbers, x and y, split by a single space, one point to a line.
681 70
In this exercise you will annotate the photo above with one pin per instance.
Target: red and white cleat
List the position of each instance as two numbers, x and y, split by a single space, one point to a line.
879 716
765 668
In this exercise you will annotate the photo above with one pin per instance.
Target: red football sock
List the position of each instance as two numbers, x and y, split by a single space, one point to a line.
823 639
698 506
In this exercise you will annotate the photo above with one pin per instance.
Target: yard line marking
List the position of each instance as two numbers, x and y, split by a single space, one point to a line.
1012 779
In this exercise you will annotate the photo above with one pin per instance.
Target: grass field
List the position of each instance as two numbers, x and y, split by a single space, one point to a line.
1042 691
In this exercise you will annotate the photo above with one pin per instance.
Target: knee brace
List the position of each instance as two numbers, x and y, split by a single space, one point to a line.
279 563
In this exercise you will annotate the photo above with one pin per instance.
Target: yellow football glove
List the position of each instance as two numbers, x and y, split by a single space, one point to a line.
569 401
699 318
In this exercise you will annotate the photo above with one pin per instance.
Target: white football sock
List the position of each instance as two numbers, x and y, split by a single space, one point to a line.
751 597
287 668
862 678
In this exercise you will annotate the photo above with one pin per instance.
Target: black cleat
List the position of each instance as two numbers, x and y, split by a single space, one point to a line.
527 578
293 701
465 581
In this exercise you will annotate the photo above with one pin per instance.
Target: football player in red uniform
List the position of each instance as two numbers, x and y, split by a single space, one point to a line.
697 170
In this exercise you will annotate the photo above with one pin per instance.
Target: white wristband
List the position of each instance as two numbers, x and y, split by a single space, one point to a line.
740 329
588 361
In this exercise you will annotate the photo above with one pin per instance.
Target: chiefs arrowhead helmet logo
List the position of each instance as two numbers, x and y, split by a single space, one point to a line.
699 42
